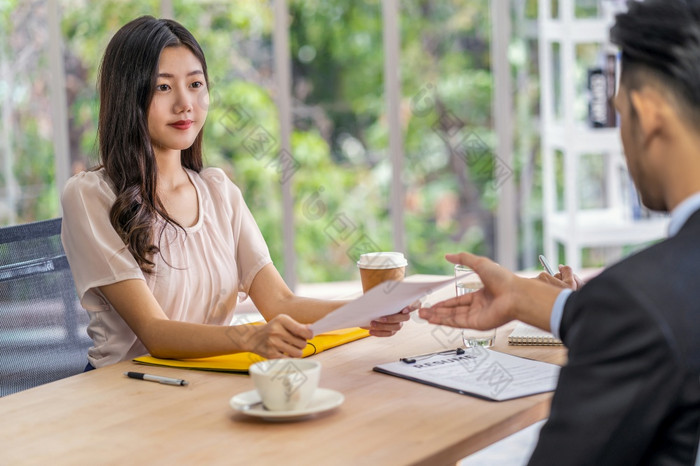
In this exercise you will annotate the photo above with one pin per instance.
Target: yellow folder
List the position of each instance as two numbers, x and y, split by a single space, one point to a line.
240 362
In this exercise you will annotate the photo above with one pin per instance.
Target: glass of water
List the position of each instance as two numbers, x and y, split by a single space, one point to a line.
468 282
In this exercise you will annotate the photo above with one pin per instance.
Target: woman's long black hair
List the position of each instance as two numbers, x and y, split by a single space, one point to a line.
127 81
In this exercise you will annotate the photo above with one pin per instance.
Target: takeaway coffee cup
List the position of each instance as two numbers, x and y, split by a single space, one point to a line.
378 267
286 384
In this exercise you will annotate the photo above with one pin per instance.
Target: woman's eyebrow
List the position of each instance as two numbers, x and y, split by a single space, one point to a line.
170 75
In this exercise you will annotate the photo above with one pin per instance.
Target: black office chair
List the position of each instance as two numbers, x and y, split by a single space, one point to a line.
42 325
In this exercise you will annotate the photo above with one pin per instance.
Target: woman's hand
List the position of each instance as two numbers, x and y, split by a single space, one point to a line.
281 337
388 325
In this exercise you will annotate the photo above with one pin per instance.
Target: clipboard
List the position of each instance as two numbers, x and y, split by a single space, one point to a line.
478 372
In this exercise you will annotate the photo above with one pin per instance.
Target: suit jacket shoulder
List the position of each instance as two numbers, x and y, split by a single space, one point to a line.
630 393
664 278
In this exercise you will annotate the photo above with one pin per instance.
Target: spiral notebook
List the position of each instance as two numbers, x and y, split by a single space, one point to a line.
524 334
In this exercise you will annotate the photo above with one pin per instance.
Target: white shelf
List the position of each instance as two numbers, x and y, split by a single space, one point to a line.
563 135
596 228
583 139
580 31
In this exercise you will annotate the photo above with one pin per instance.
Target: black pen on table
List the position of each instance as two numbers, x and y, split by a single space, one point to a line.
545 264
155 378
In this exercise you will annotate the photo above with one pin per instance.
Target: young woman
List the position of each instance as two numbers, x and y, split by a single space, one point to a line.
161 248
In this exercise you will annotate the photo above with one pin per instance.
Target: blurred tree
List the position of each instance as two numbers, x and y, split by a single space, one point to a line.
338 87
340 135
25 137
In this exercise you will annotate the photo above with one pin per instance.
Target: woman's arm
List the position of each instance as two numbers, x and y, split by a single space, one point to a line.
165 338
273 297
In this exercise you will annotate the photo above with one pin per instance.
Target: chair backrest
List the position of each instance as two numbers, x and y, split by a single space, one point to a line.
42 325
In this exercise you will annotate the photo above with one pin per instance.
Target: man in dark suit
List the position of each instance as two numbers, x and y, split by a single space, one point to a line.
630 392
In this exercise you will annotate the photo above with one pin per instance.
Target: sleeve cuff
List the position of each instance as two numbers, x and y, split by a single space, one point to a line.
558 311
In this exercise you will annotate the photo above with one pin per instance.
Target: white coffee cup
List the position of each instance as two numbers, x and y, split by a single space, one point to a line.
286 384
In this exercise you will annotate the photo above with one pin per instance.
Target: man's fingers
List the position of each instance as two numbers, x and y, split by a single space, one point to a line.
547 278
446 309
567 273
447 320
440 315
570 277
464 300
463 258
476 263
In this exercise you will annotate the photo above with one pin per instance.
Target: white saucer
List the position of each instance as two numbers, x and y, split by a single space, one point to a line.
249 403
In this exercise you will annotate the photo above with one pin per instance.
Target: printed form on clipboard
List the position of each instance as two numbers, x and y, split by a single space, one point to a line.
479 372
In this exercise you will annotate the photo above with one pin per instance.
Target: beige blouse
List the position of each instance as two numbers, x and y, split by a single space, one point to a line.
198 277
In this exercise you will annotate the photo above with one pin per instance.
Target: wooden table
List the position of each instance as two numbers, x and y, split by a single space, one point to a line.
102 417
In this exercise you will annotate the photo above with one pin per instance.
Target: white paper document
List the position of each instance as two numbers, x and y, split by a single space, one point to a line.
385 299
477 371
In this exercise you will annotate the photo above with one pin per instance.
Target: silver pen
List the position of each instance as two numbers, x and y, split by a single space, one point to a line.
545 264
155 378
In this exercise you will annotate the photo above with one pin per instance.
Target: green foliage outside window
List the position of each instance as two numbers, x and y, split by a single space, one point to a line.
340 138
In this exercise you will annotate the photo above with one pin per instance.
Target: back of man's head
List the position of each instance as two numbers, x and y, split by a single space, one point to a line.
660 45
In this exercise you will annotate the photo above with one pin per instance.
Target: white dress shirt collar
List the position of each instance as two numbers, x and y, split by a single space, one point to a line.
682 213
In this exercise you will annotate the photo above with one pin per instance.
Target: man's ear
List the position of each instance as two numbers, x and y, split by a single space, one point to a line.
648 105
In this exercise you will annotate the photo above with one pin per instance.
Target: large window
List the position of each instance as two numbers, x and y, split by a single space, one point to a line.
449 141
342 171
340 137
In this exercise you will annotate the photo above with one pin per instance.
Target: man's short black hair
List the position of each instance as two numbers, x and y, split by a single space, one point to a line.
660 44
